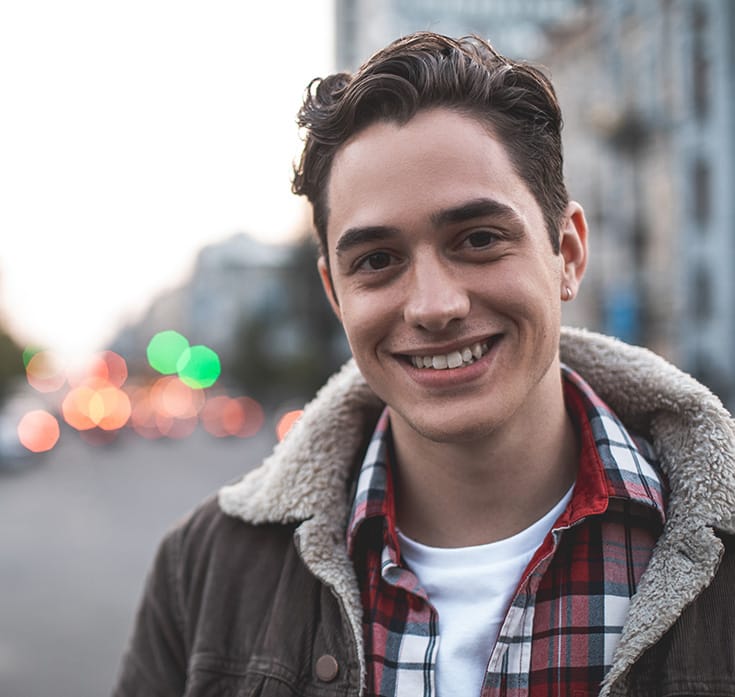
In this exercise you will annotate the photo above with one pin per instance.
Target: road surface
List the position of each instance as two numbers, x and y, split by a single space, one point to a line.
78 531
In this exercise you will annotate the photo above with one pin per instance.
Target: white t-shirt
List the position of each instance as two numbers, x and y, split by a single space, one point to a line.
471 589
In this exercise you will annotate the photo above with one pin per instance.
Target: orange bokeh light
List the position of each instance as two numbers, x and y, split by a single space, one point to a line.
167 408
286 422
115 408
43 372
172 397
224 416
96 404
75 408
38 431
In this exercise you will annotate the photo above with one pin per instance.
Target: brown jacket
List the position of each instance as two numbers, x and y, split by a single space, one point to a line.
254 593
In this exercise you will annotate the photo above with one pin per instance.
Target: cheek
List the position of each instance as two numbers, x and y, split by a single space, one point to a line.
536 287
362 319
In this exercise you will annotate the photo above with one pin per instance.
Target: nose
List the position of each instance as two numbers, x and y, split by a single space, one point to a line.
436 294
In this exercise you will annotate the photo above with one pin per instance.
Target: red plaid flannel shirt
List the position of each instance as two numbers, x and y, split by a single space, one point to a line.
564 622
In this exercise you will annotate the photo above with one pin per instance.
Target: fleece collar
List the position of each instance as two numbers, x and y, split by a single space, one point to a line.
306 479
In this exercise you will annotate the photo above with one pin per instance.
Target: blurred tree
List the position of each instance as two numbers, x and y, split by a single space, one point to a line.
11 364
290 345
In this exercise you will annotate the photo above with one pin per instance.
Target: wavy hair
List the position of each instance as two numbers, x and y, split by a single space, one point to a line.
514 99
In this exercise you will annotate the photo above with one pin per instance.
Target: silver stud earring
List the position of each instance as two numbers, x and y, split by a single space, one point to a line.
567 293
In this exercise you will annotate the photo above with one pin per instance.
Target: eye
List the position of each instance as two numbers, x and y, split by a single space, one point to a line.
480 239
375 261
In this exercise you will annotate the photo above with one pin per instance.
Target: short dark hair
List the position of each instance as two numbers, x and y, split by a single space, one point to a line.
423 70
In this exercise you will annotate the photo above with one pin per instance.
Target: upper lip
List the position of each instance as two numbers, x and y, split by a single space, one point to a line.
440 349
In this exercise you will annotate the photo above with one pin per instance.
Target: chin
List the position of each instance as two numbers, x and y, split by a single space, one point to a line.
462 430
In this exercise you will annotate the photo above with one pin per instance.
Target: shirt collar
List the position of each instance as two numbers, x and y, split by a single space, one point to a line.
374 490
613 464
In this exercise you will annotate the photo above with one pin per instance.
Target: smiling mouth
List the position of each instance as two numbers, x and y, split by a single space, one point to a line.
454 359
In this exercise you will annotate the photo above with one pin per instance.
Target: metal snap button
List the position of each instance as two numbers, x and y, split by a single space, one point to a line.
327 668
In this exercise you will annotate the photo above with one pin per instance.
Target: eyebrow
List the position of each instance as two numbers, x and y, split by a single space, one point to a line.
470 210
356 236
477 208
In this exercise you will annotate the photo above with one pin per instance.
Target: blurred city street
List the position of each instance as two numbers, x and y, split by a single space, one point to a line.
78 530
157 274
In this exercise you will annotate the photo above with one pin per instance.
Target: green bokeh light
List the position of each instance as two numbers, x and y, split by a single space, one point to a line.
29 352
199 367
165 350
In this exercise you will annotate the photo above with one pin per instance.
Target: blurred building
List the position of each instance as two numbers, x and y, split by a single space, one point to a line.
236 278
518 27
260 307
647 93
650 152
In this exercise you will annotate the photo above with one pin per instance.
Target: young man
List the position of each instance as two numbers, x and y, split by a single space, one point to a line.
458 512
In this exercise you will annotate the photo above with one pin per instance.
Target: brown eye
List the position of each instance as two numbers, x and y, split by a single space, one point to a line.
378 260
481 238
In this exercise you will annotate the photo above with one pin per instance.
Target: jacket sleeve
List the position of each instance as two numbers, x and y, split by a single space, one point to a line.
155 661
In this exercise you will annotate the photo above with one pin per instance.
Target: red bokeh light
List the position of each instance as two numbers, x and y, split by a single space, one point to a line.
286 422
224 416
38 431
105 367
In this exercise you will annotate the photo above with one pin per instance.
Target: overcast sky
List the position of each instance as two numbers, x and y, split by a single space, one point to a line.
132 133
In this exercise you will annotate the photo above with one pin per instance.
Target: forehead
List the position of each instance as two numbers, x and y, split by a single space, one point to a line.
402 174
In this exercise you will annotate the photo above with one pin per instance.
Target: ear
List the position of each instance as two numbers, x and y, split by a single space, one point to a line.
328 285
573 250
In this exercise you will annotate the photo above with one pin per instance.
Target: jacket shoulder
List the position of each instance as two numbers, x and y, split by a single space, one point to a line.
211 549
697 655
207 528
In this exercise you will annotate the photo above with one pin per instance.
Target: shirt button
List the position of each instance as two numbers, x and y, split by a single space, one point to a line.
327 668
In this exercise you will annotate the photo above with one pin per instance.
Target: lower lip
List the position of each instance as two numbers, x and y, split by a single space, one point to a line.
452 377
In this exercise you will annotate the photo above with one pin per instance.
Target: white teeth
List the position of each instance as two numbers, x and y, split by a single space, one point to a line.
455 359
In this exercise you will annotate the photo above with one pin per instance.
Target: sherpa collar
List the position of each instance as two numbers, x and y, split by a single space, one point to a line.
306 478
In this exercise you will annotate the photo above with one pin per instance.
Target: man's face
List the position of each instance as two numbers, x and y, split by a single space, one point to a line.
444 277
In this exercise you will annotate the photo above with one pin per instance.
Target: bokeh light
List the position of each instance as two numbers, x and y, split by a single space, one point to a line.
167 408
286 422
106 366
170 396
254 417
199 367
44 373
143 417
224 416
38 431
96 404
29 352
212 416
112 408
181 428
75 408
165 350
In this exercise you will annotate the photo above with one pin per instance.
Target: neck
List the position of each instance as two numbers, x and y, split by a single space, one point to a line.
456 494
